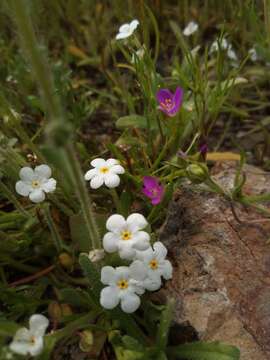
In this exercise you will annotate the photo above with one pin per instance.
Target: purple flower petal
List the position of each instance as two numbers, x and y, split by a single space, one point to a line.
152 189
178 97
164 94
150 182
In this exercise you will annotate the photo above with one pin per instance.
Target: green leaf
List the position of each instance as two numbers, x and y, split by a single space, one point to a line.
8 328
79 233
91 273
132 121
164 326
204 351
76 297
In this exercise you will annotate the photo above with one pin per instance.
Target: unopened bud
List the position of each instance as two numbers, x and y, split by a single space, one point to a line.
87 340
54 311
197 173
66 310
66 260
96 255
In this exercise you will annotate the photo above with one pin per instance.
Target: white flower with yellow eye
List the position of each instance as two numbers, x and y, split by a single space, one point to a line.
124 286
35 183
155 264
126 236
126 30
30 341
104 172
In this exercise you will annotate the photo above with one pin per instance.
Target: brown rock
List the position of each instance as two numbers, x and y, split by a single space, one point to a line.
221 279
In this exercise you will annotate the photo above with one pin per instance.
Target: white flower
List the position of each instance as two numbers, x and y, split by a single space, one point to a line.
96 255
253 54
124 286
155 264
35 183
105 171
30 341
126 236
231 53
127 30
191 28
224 45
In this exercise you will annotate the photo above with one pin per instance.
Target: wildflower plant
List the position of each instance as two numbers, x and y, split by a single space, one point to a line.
90 253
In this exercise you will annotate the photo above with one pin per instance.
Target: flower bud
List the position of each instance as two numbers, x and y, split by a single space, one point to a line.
66 309
87 340
197 173
66 260
96 255
54 311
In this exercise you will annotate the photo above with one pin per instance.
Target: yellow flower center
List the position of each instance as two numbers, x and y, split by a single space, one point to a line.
153 264
104 170
32 340
35 184
126 235
122 284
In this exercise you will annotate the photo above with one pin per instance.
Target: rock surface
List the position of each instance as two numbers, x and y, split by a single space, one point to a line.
221 279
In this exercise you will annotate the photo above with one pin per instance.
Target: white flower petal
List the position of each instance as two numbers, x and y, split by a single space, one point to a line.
49 186
111 180
126 251
37 347
152 283
97 182
22 188
138 270
109 297
133 25
26 174
167 269
136 222
108 275
117 169
19 347
43 171
130 303
20 343
90 174
191 28
116 223
160 250
112 162
141 240
122 272
122 35
38 324
98 163
124 28
37 196
110 242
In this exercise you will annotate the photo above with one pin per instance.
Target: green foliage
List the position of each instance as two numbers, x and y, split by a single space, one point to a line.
204 351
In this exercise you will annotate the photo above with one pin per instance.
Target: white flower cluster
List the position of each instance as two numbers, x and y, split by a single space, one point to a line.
225 46
148 266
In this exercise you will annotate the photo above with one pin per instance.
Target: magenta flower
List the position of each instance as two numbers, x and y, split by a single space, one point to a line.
152 189
170 103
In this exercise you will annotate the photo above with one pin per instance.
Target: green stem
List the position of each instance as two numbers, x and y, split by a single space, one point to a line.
85 201
53 229
12 198
40 67
116 201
